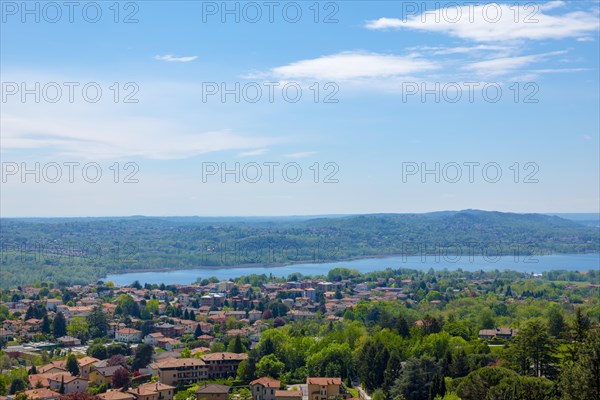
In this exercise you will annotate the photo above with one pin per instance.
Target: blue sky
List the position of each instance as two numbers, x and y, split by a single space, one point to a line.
370 123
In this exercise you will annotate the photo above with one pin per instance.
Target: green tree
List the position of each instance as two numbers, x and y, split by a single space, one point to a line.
186 353
487 319
46 327
236 346
581 326
198 332
59 325
522 388
77 327
97 323
247 368
556 322
143 356
580 380
17 385
72 365
532 352
270 366
416 379
379 394
478 383
61 389
97 351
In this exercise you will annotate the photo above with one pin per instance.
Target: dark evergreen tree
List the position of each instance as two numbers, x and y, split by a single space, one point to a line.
198 332
72 365
59 325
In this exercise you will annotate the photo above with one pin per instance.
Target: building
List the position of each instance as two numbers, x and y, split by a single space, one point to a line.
167 330
212 392
153 391
102 375
41 394
86 364
288 395
212 299
264 388
69 341
116 395
128 335
72 384
153 338
223 365
325 388
181 371
500 333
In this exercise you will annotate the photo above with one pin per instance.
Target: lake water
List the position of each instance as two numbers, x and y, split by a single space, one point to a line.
533 264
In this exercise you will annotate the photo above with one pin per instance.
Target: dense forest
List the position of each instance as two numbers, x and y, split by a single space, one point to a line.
80 250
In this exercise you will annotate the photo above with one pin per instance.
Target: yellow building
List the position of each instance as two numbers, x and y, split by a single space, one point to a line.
324 388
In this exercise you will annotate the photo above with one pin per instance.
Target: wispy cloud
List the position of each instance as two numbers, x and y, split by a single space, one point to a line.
171 58
303 154
354 65
253 153
505 65
473 22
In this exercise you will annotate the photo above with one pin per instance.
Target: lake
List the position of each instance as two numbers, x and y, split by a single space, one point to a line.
533 264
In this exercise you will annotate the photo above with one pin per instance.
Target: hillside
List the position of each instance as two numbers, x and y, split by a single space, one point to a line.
85 249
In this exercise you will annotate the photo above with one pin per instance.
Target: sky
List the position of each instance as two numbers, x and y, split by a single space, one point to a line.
298 108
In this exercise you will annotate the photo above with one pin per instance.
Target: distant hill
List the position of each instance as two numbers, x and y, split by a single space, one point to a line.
84 249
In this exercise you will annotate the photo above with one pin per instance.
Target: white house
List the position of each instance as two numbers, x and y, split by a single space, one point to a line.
128 335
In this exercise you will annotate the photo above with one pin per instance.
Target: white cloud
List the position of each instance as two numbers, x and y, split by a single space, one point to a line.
552 5
504 65
495 22
384 23
143 137
303 154
354 65
171 58
252 153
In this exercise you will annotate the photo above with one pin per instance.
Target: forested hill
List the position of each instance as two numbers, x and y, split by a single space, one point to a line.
85 249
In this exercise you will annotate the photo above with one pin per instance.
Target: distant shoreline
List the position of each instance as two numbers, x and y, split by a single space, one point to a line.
279 265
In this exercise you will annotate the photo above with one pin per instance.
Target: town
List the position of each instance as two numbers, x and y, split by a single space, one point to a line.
263 338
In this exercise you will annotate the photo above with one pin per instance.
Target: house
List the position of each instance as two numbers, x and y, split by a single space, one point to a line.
167 330
53 368
41 394
128 335
72 384
52 303
45 380
288 395
181 371
212 392
500 333
223 365
153 391
169 344
86 364
264 388
324 388
254 315
102 375
116 395
153 338
69 341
